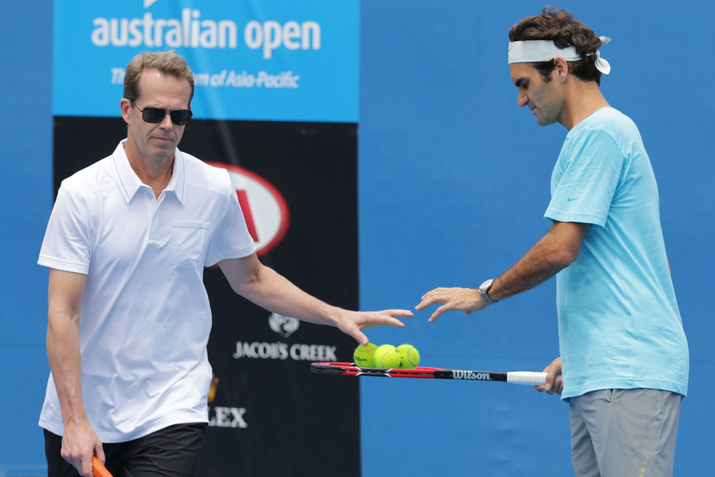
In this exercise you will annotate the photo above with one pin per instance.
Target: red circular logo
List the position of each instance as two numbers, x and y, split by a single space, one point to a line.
263 206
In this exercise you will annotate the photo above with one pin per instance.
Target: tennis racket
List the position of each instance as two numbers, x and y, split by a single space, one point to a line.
98 469
349 369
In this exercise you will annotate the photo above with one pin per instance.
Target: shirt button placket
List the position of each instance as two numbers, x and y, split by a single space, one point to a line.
151 214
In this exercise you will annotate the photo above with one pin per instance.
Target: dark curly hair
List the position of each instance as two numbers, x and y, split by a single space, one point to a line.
561 27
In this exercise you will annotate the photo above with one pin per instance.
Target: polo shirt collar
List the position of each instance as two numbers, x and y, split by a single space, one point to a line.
129 182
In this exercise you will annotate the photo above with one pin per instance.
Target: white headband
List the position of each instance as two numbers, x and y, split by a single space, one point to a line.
535 51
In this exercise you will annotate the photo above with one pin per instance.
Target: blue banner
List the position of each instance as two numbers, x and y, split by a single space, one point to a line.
271 60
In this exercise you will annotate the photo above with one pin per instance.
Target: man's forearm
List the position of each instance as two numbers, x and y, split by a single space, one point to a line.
276 293
554 252
268 289
63 354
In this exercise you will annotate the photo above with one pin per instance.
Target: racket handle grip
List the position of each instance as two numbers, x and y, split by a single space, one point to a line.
529 378
98 469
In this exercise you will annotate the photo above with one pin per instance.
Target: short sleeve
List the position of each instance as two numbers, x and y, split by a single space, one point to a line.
231 238
585 179
67 242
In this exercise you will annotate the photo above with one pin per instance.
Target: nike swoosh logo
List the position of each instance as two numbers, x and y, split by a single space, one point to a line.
571 199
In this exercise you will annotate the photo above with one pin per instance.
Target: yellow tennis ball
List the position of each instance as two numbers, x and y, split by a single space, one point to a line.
386 356
363 355
409 356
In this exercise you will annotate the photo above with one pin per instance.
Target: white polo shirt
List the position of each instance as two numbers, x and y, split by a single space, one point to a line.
145 318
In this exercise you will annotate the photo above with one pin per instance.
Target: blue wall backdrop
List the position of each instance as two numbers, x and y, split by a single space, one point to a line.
25 198
453 183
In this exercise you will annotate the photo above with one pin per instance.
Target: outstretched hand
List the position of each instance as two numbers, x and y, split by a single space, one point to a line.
355 321
459 299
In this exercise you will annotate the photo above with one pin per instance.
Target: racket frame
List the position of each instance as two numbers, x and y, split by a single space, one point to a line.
336 368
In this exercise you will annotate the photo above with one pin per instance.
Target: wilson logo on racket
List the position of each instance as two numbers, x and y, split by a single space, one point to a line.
471 375
263 206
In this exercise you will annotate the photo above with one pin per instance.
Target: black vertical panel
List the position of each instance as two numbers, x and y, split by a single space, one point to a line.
269 415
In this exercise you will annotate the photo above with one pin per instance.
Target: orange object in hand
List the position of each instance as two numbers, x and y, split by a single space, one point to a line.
98 469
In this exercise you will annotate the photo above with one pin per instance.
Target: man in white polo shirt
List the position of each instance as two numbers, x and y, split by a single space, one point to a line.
129 317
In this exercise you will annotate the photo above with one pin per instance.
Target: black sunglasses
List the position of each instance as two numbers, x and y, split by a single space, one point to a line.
155 115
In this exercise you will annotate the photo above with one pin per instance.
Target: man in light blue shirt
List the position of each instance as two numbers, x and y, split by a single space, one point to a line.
624 356
619 323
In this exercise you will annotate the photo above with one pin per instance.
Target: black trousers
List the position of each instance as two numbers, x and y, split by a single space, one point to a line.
170 452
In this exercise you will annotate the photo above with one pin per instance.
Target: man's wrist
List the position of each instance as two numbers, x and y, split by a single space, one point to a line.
483 291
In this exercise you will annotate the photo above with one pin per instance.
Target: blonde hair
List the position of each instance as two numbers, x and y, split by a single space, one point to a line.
167 62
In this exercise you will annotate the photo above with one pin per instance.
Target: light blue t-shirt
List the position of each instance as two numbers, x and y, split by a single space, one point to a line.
619 323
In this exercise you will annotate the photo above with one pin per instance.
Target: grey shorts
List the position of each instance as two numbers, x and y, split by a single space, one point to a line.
624 432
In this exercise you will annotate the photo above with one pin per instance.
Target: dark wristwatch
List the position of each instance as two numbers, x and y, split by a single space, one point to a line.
484 291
